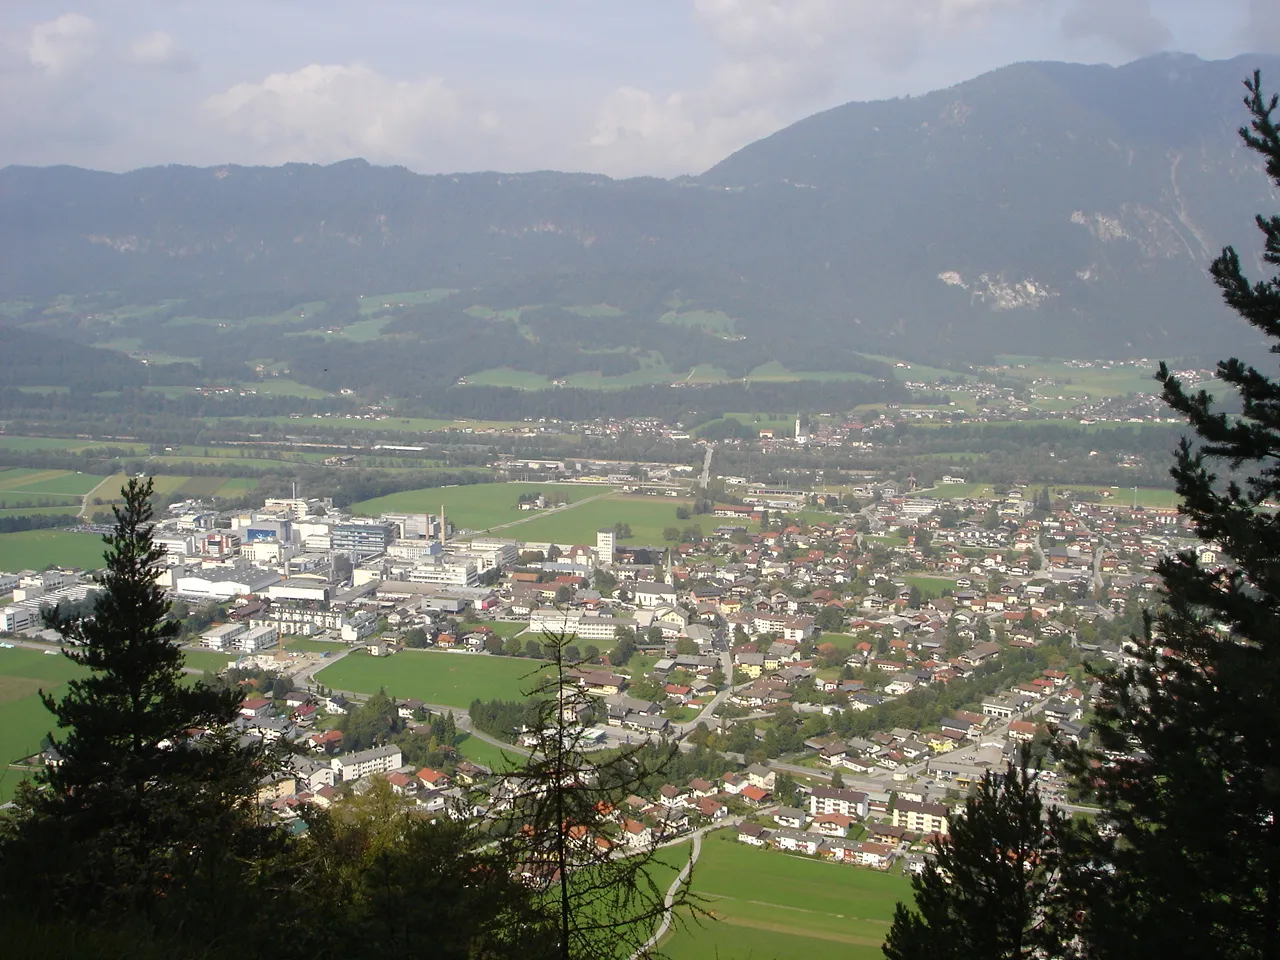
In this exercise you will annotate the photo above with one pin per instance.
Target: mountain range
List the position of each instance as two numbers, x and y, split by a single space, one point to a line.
1042 209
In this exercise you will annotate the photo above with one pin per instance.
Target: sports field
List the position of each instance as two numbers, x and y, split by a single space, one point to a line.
647 516
449 679
768 905
478 506
37 549
23 719
207 659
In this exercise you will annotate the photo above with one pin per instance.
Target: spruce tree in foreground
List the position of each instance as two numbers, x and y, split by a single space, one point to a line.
1189 765
991 892
154 802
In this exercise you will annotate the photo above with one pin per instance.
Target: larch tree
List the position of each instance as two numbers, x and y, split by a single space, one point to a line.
603 883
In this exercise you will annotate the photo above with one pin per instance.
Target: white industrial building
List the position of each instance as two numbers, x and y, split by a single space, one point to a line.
225 584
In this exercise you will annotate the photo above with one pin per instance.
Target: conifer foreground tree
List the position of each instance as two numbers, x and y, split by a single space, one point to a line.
992 891
153 798
600 889
1189 765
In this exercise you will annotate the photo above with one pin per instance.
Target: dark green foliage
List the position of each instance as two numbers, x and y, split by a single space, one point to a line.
153 801
370 724
503 719
1187 765
990 892
395 884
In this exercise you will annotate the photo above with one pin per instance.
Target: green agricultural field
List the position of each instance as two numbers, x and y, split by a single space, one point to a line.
449 679
767 904
281 387
359 424
237 486
68 510
597 310
715 322
23 719
25 444
371 303
774 372
37 549
1098 380
478 506
66 483
648 517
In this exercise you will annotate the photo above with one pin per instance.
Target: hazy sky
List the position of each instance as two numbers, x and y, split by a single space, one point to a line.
623 87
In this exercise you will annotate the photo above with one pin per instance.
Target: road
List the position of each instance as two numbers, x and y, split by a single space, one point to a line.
84 501
707 714
672 892
705 479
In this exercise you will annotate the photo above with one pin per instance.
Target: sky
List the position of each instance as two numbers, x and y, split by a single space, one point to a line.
620 87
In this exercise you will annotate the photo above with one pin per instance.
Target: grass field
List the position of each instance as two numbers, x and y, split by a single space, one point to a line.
477 506
495 758
37 549
23 719
449 679
207 659
194 487
771 906
648 516
15 481
930 587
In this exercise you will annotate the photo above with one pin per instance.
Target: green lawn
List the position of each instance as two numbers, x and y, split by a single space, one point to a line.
23 719
648 517
36 549
207 659
449 679
478 506
768 904
930 587
495 758
501 627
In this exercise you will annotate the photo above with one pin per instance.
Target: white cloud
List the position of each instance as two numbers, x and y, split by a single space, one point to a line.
59 46
776 57
328 112
1129 24
155 49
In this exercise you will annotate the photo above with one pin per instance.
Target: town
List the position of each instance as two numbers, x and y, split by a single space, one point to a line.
843 669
